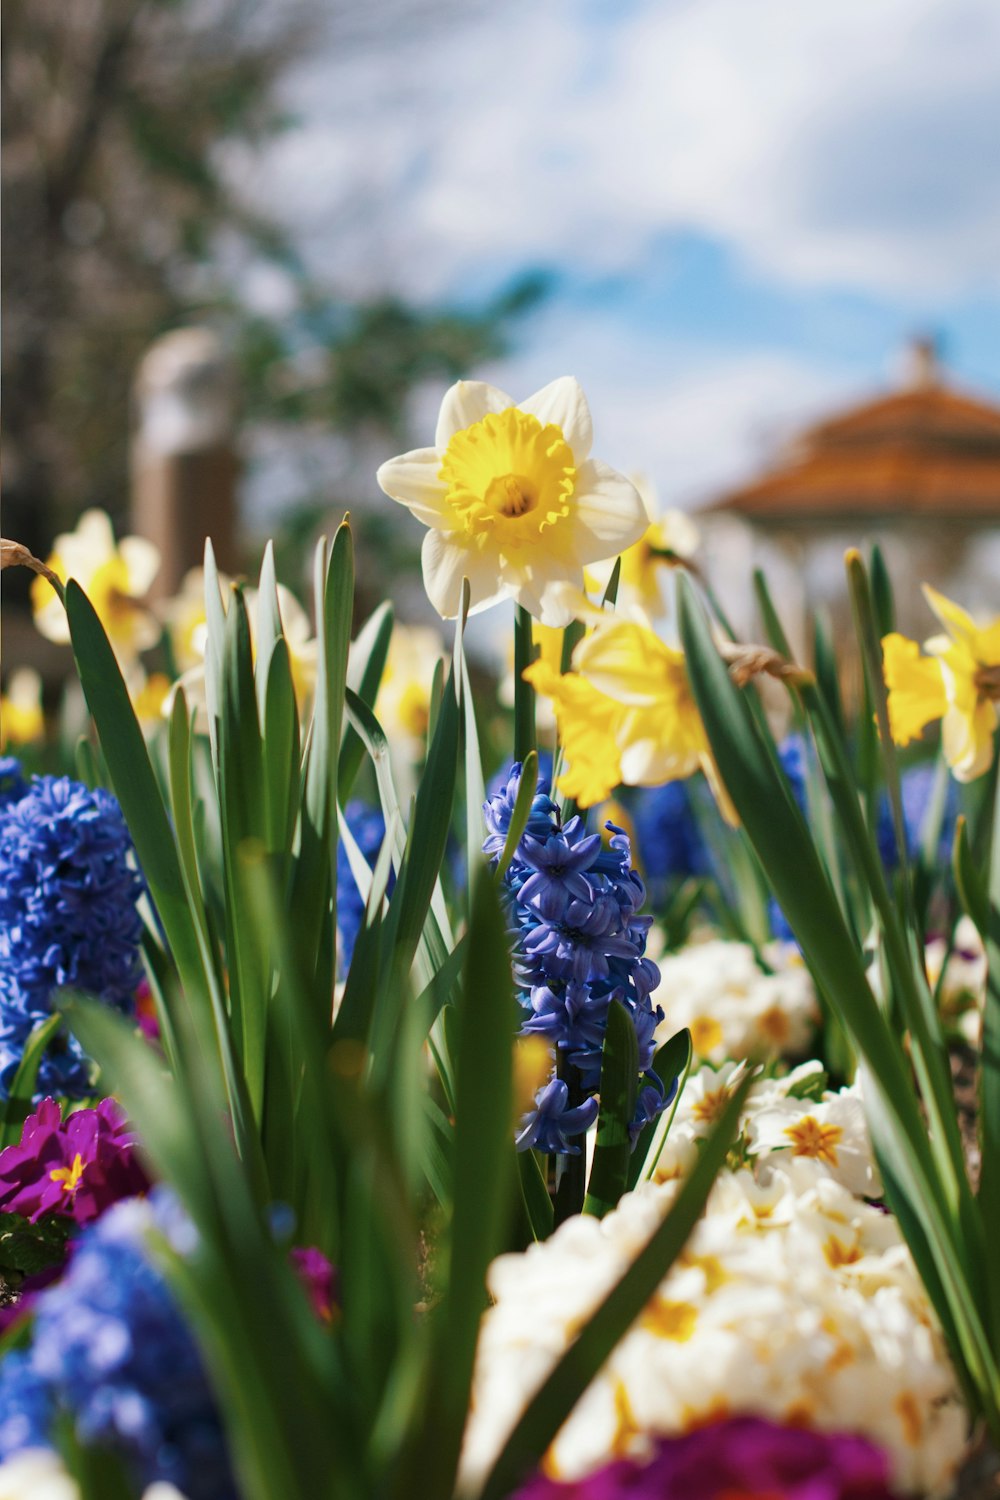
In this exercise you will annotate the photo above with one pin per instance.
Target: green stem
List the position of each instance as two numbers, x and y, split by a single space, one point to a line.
524 693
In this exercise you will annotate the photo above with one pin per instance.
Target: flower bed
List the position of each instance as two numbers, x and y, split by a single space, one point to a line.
374 1128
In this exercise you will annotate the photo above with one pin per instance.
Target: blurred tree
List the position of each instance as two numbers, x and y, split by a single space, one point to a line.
124 223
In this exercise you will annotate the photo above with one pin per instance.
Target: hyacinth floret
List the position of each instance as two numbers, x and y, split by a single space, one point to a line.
12 783
114 1352
573 903
69 893
368 828
27 1406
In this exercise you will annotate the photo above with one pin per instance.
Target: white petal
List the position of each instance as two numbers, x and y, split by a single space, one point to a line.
412 479
563 402
551 593
466 402
607 512
446 563
142 560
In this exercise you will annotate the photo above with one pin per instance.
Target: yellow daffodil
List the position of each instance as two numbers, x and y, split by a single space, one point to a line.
115 576
512 499
958 683
149 695
403 704
671 536
184 618
626 713
21 718
302 653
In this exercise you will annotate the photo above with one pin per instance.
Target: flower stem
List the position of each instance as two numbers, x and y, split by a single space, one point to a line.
524 693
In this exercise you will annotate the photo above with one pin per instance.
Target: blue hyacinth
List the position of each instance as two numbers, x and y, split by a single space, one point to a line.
69 890
670 843
368 827
112 1352
12 784
27 1406
580 943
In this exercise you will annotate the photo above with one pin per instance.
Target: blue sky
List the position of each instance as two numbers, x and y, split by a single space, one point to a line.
746 206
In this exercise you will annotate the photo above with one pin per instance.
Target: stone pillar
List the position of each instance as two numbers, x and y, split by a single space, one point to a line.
184 464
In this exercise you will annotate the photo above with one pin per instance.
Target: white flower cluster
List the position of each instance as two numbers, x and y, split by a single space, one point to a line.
734 1009
794 1299
957 970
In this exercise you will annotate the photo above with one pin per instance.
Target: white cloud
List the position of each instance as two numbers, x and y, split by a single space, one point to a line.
845 142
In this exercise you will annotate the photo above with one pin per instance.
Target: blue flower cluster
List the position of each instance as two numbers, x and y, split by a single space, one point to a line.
671 847
111 1351
68 916
580 943
12 784
368 827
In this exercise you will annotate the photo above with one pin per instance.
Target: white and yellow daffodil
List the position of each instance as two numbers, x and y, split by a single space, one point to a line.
512 499
22 720
115 577
958 682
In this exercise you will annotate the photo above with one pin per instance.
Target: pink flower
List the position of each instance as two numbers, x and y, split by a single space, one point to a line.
744 1458
76 1169
319 1279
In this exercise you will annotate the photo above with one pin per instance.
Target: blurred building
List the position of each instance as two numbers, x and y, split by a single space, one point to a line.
918 471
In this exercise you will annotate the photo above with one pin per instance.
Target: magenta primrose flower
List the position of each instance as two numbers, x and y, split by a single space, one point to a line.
744 1458
76 1169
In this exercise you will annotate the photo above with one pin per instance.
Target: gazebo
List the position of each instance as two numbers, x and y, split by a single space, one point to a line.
917 470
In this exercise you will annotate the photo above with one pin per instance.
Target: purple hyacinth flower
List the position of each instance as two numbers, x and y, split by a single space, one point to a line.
558 874
550 1124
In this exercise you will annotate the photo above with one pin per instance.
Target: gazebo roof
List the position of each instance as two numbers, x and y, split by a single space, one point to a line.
925 450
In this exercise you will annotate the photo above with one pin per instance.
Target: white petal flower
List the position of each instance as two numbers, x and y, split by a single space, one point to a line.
512 499
115 577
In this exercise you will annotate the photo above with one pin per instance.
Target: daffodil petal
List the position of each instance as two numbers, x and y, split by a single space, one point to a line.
619 661
445 563
550 594
607 515
967 740
955 620
563 403
916 687
464 403
142 560
412 479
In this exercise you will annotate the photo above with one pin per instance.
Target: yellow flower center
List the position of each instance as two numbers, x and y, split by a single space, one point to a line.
710 1106
414 710
670 1320
508 477
70 1177
810 1138
706 1035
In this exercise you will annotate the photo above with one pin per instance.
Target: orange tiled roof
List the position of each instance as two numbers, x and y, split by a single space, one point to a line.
928 450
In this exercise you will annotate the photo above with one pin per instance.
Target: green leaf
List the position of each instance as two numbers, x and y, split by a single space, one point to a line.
535 1195
671 1063
619 1087
368 658
576 1368
483 1183
526 787
18 1105
27 1248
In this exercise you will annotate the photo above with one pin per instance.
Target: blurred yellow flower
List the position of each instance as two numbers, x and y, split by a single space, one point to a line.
404 697
626 713
149 695
184 618
512 499
671 536
958 683
21 718
302 648
115 578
